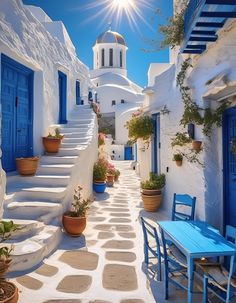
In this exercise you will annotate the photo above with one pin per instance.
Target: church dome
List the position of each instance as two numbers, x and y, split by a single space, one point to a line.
110 37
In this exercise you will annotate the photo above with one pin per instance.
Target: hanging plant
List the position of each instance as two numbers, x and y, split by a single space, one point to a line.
205 117
233 146
181 139
139 127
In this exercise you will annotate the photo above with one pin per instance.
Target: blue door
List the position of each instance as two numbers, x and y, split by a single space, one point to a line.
156 144
128 153
62 83
17 112
77 89
229 138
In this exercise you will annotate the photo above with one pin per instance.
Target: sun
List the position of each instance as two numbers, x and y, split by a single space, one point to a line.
123 4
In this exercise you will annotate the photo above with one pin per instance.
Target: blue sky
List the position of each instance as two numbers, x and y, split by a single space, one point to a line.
86 19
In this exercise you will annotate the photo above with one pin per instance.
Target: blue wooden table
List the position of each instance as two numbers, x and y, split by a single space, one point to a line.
197 240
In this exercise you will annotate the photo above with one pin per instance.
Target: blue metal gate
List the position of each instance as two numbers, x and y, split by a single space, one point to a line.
128 153
17 112
229 138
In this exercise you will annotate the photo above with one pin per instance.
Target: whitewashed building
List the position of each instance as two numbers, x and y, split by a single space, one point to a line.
42 84
209 44
118 96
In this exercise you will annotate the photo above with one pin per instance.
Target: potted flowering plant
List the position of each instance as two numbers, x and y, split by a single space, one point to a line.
74 221
99 175
110 174
52 143
101 139
8 290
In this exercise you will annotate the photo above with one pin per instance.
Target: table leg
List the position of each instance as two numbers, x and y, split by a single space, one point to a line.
232 260
190 279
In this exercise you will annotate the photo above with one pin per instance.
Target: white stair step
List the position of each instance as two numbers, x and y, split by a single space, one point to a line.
29 253
73 130
76 139
28 228
41 179
54 168
53 194
33 210
69 151
54 159
78 135
74 145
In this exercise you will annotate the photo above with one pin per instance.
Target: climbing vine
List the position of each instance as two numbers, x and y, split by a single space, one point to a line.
207 118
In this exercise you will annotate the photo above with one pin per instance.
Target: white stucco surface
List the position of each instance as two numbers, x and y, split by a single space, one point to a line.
206 183
27 40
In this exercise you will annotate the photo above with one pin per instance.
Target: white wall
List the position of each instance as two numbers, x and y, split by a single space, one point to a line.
26 40
203 182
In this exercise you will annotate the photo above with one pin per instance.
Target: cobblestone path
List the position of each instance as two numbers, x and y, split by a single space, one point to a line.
103 265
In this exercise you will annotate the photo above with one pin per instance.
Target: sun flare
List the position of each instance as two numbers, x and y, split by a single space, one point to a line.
116 11
123 4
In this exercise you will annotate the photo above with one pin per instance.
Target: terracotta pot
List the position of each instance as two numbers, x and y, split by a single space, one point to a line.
151 203
196 145
51 145
151 192
10 292
4 266
110 180
99 181
74 226
179 163
27 166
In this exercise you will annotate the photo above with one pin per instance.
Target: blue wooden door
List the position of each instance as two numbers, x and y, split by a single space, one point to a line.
156 144
128 153
17 112
229 136
77 89
62 84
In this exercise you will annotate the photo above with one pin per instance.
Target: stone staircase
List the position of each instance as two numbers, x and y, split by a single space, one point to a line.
38 202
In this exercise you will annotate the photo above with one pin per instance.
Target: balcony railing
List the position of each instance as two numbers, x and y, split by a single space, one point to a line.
202 20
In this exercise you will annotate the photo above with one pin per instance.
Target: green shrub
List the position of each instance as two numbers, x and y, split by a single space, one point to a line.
139 127
154 182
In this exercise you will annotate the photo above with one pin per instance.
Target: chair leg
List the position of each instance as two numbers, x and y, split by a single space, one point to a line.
159 269
205 290
166 282
145 253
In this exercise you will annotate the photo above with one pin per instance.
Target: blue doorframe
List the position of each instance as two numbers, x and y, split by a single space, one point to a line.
77 90
156 144
62 83
229 166
17 112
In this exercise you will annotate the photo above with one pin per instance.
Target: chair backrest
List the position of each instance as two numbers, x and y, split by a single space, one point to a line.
150 231
183 207
230 235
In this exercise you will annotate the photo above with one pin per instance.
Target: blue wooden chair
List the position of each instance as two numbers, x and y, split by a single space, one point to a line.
183 207
175 262
217 279
150 232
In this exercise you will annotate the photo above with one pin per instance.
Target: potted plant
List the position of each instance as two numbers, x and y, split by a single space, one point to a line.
8 290
110 175
178 158
74 221
101 139
52 143
99 175
196 145
151 191
117 174
27 166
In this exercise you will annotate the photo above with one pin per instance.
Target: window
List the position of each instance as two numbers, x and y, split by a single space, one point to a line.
121 59
113 102
122 101
110 57
103 57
